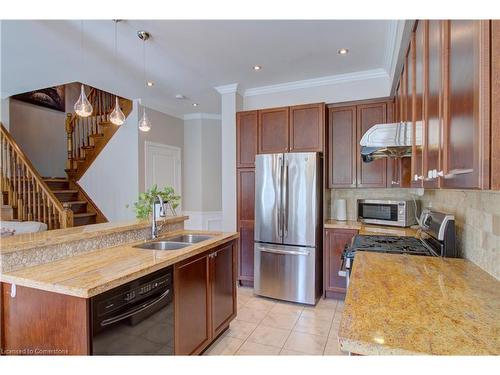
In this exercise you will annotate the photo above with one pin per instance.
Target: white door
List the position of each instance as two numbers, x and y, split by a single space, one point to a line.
163 167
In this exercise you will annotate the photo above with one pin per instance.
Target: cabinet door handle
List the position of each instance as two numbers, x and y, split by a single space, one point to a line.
457 172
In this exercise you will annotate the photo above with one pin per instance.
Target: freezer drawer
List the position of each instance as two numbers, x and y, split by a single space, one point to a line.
285 272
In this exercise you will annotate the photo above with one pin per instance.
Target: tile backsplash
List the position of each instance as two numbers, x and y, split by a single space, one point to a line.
477 217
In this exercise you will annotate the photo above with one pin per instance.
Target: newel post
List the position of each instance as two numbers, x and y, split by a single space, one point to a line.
69 140
66 218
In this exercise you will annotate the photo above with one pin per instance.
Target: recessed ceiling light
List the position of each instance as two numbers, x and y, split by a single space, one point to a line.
180 96
195 104
150 84
257 67
343 51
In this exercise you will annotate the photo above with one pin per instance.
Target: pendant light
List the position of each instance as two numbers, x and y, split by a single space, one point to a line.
117 117
82 107
144 123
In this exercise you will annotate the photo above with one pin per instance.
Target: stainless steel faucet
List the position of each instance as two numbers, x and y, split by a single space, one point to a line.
154 226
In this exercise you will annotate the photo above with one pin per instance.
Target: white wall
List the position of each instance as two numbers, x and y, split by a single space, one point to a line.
357 86
165 129
35 127
202 172
112 181
4 112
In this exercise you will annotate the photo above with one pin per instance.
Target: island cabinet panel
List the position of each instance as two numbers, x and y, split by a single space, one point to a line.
416 81
307 123
223 270
192 305
495 105
342 150
246 138
334 243
204 297
273 131
373 174
59 324
466 127
245 223
434 123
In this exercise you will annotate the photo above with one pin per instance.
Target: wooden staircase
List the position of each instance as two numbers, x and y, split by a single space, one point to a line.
59 202
25 195
87 137
73 197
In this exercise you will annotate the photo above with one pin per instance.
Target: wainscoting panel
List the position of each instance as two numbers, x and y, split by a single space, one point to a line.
204 220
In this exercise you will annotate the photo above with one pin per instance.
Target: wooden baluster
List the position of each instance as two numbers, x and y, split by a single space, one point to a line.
69 141
44 206
28 195
18 182
39 203
24 187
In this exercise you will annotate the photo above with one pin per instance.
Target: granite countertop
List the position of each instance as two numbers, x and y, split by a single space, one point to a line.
370 229
407 304
54 237
94 272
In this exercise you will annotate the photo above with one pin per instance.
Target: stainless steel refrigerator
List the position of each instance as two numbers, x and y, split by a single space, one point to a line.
288 215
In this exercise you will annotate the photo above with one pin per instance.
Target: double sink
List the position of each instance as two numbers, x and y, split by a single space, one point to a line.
174 243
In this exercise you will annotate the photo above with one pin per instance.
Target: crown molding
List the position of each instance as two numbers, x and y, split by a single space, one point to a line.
316 82
227 89
202 116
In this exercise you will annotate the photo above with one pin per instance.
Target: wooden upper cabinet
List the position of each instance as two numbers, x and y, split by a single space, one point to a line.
371 174
495 104
307 124
466 143
342 150
273 130
246 138
416 93
223 269
434 96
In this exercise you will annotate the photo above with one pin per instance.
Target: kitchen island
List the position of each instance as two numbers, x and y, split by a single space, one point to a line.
405 304
49 281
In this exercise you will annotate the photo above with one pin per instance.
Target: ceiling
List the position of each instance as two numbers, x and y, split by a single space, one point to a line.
190 57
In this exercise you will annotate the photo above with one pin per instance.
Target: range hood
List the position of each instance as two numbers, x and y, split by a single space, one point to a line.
393 140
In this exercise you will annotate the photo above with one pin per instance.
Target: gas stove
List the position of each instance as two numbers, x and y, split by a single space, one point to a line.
437 238
388 244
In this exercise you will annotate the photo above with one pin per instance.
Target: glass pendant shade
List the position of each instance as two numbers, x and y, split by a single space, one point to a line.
117 117
82 107
144 123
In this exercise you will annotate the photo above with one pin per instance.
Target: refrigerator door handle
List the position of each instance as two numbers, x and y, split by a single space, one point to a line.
285 199
279 174
283 252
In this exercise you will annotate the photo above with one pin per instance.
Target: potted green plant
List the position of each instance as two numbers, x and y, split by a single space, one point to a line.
144 206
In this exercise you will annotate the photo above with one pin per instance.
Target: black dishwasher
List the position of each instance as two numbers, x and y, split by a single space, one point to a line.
135 318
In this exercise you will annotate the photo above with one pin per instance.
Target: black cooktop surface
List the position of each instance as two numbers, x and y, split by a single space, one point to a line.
387 244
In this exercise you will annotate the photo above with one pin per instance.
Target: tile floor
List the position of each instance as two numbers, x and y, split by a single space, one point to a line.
269 327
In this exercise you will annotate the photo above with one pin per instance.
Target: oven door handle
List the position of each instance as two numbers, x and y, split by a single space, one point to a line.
135 310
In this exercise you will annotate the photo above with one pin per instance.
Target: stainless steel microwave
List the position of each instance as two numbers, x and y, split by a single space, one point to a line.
387 212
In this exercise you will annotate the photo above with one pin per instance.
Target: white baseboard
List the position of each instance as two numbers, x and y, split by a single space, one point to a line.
203 220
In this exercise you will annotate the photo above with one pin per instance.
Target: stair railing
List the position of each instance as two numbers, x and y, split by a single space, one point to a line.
27 193
80 131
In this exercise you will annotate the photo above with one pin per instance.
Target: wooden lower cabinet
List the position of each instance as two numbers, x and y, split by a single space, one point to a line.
58 324
192 305
333 246
223 271
245 267
204 298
